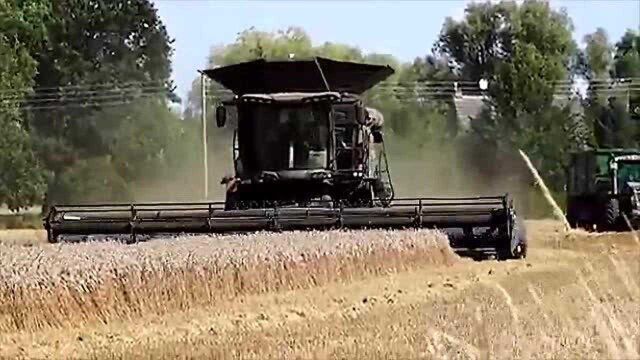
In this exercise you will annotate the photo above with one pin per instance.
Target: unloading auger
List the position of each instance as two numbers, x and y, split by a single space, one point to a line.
307 155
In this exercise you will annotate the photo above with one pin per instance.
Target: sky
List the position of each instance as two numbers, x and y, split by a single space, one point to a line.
406 29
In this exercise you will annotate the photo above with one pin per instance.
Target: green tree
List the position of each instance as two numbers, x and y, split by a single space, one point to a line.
627 55
478 43
598 55
612 95
524 51
89 44
21 29
148 152
627 66
595 65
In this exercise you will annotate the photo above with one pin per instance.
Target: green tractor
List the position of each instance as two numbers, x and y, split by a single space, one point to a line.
603 189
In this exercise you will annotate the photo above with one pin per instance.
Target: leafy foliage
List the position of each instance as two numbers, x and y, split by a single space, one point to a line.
88 127
21 26
610 105
523 51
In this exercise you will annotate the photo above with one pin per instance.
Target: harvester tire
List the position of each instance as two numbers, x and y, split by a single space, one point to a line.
520 251
610 215
231 201
521 234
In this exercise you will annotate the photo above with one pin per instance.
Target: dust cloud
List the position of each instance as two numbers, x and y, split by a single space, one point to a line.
430 170
187 182
463 170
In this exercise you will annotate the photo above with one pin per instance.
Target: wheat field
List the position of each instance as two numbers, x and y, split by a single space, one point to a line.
55 285
379 294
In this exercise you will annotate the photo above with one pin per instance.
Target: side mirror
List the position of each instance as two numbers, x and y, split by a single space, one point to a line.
221 115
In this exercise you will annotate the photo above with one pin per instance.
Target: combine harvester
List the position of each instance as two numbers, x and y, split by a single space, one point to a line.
307 155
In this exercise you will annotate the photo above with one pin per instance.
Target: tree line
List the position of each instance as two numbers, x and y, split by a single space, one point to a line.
85 97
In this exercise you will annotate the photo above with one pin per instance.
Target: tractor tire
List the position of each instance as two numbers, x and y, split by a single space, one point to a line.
579 215
610 216
571 219
572 214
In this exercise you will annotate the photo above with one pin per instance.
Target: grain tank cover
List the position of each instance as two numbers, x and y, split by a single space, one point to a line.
261 76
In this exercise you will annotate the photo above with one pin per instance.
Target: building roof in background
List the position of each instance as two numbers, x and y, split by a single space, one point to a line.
469 107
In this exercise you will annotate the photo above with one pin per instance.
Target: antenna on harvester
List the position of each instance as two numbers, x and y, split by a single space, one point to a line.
326 83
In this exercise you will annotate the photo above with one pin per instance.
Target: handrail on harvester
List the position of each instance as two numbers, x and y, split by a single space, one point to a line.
207 203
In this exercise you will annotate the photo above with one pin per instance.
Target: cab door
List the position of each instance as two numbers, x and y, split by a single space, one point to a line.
346 132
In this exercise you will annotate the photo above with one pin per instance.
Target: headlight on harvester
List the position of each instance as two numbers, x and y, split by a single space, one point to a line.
320 175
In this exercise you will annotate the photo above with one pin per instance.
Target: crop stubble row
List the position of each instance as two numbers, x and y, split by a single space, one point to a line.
66 284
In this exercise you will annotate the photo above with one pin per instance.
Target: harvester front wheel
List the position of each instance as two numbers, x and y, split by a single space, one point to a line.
231 201
521 249
519 233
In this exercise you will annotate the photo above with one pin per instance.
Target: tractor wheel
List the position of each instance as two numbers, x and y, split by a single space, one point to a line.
573 222
572 215
610 215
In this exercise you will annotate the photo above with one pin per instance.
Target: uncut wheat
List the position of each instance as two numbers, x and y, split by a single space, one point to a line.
101 281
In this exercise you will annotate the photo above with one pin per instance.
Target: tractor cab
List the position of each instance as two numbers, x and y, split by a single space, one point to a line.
626 180
626 171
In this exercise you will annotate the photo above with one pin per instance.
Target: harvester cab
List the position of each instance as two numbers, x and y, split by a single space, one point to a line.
306 149
603 189
308 154
303 136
